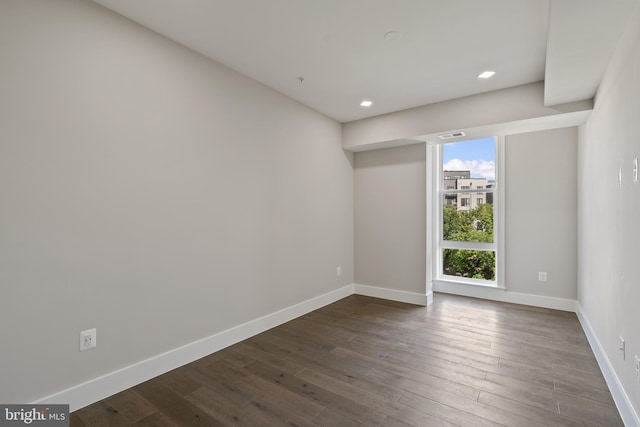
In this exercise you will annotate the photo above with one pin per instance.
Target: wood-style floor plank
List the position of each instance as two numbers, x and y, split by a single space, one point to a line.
368 362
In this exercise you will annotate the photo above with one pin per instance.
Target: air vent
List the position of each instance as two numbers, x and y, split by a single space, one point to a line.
451 135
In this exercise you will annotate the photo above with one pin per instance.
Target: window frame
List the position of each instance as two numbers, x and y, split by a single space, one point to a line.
435 203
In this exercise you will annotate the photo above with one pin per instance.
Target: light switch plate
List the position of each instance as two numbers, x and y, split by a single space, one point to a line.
620 176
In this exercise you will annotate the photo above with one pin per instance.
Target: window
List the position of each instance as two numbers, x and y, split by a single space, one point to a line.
466 193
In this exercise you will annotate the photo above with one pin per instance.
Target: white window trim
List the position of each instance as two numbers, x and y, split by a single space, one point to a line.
434 207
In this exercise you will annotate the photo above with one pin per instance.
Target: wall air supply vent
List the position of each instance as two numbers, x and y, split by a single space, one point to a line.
451 135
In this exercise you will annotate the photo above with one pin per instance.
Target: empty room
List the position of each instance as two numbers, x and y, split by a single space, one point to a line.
319 213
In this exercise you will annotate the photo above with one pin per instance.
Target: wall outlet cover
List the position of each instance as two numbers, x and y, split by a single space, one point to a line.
88 339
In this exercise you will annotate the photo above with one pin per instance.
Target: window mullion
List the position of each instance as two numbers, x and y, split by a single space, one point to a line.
478 246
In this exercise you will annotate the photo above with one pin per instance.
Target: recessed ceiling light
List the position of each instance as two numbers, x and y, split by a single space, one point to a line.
366 103
486 74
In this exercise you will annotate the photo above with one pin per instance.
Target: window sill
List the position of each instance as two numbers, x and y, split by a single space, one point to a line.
468 282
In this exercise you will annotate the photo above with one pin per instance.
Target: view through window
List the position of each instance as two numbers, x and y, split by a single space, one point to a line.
467 198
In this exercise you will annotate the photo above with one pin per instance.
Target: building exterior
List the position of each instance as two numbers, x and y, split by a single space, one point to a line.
461 180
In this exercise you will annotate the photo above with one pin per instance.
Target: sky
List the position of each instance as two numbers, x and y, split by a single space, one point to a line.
476 155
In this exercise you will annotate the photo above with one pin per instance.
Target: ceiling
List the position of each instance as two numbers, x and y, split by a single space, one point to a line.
332 54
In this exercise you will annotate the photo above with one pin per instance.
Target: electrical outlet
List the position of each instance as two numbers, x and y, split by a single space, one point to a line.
339 271
637 368
621 347
88 339
634 169
542 276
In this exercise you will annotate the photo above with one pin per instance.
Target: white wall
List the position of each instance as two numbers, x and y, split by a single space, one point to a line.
150 193
390 218
609 226
541 212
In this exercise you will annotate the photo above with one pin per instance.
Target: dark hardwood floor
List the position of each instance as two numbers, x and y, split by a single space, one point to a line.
365 361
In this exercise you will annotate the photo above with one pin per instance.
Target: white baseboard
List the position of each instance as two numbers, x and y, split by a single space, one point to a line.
500 294
394 294
99 388
625 407
104 386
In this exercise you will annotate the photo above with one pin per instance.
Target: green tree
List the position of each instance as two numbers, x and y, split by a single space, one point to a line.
475 225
